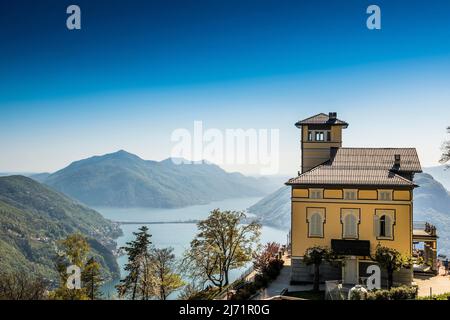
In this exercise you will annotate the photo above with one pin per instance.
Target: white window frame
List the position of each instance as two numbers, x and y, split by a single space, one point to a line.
382 192
312 135
315 217
389 215
346 214
353 191
316 193
319 133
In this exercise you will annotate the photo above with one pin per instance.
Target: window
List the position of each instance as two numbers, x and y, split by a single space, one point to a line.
316 220
320 136
384 221
385 195
350 222
385 226
316 193
350 194
323 135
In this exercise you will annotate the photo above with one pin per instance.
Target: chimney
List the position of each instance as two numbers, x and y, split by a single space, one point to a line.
332 115
397 160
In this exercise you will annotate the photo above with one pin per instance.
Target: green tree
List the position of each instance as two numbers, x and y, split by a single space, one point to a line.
391 260
446 150
137 284
74 250
224 242
316 256
91 279
75 247
167 280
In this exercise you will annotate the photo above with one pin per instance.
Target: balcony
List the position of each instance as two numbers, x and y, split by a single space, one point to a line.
423 230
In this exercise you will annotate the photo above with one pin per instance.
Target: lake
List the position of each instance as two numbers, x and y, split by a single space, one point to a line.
178 236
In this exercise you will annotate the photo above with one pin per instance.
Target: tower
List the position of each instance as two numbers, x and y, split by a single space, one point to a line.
319 134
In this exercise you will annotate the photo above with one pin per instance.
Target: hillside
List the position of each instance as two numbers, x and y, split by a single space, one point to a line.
431 203
122 179
33 217
441 174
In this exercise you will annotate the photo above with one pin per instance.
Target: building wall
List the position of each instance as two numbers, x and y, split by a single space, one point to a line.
317 152
332 204
302 273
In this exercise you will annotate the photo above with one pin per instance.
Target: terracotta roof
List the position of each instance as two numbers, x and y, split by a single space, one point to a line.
321 118
363 166
376 158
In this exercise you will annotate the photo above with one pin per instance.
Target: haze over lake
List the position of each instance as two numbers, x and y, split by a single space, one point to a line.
178 236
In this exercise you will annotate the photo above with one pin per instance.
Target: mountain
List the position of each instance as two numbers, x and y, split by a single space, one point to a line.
39 177
33 217
431 203
441 174
122 179
274 209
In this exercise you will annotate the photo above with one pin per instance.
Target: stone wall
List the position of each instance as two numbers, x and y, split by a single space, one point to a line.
301 273
401 277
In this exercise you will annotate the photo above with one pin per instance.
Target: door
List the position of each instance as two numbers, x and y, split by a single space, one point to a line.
351 271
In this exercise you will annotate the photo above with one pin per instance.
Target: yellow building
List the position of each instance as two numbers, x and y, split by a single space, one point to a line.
350 200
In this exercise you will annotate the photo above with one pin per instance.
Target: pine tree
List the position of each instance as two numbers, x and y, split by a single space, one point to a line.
166 280
137 283
91 279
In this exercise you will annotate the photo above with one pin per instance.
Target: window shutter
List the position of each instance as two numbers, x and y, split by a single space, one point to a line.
347 226
316 225
319 225
352 227
376 225
388 226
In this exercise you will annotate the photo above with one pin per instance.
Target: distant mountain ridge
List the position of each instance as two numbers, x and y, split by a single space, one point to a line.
33 218
122 179
441 174
431 204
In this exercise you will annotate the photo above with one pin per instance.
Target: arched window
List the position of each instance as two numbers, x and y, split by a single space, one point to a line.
385 226
316 225
350 222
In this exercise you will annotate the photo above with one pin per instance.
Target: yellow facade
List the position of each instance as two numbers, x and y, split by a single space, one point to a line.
350 200
333 204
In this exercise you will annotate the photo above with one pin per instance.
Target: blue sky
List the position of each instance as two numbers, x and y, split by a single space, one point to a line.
137 70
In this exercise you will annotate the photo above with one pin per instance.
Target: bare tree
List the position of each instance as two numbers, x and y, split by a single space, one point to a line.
20 286
446 150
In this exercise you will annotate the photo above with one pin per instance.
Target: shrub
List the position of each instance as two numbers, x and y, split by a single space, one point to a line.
274 268
378 295
403 293
261 281
358 293
397 293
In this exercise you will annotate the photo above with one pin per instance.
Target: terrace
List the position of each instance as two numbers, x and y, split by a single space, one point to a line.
424 247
